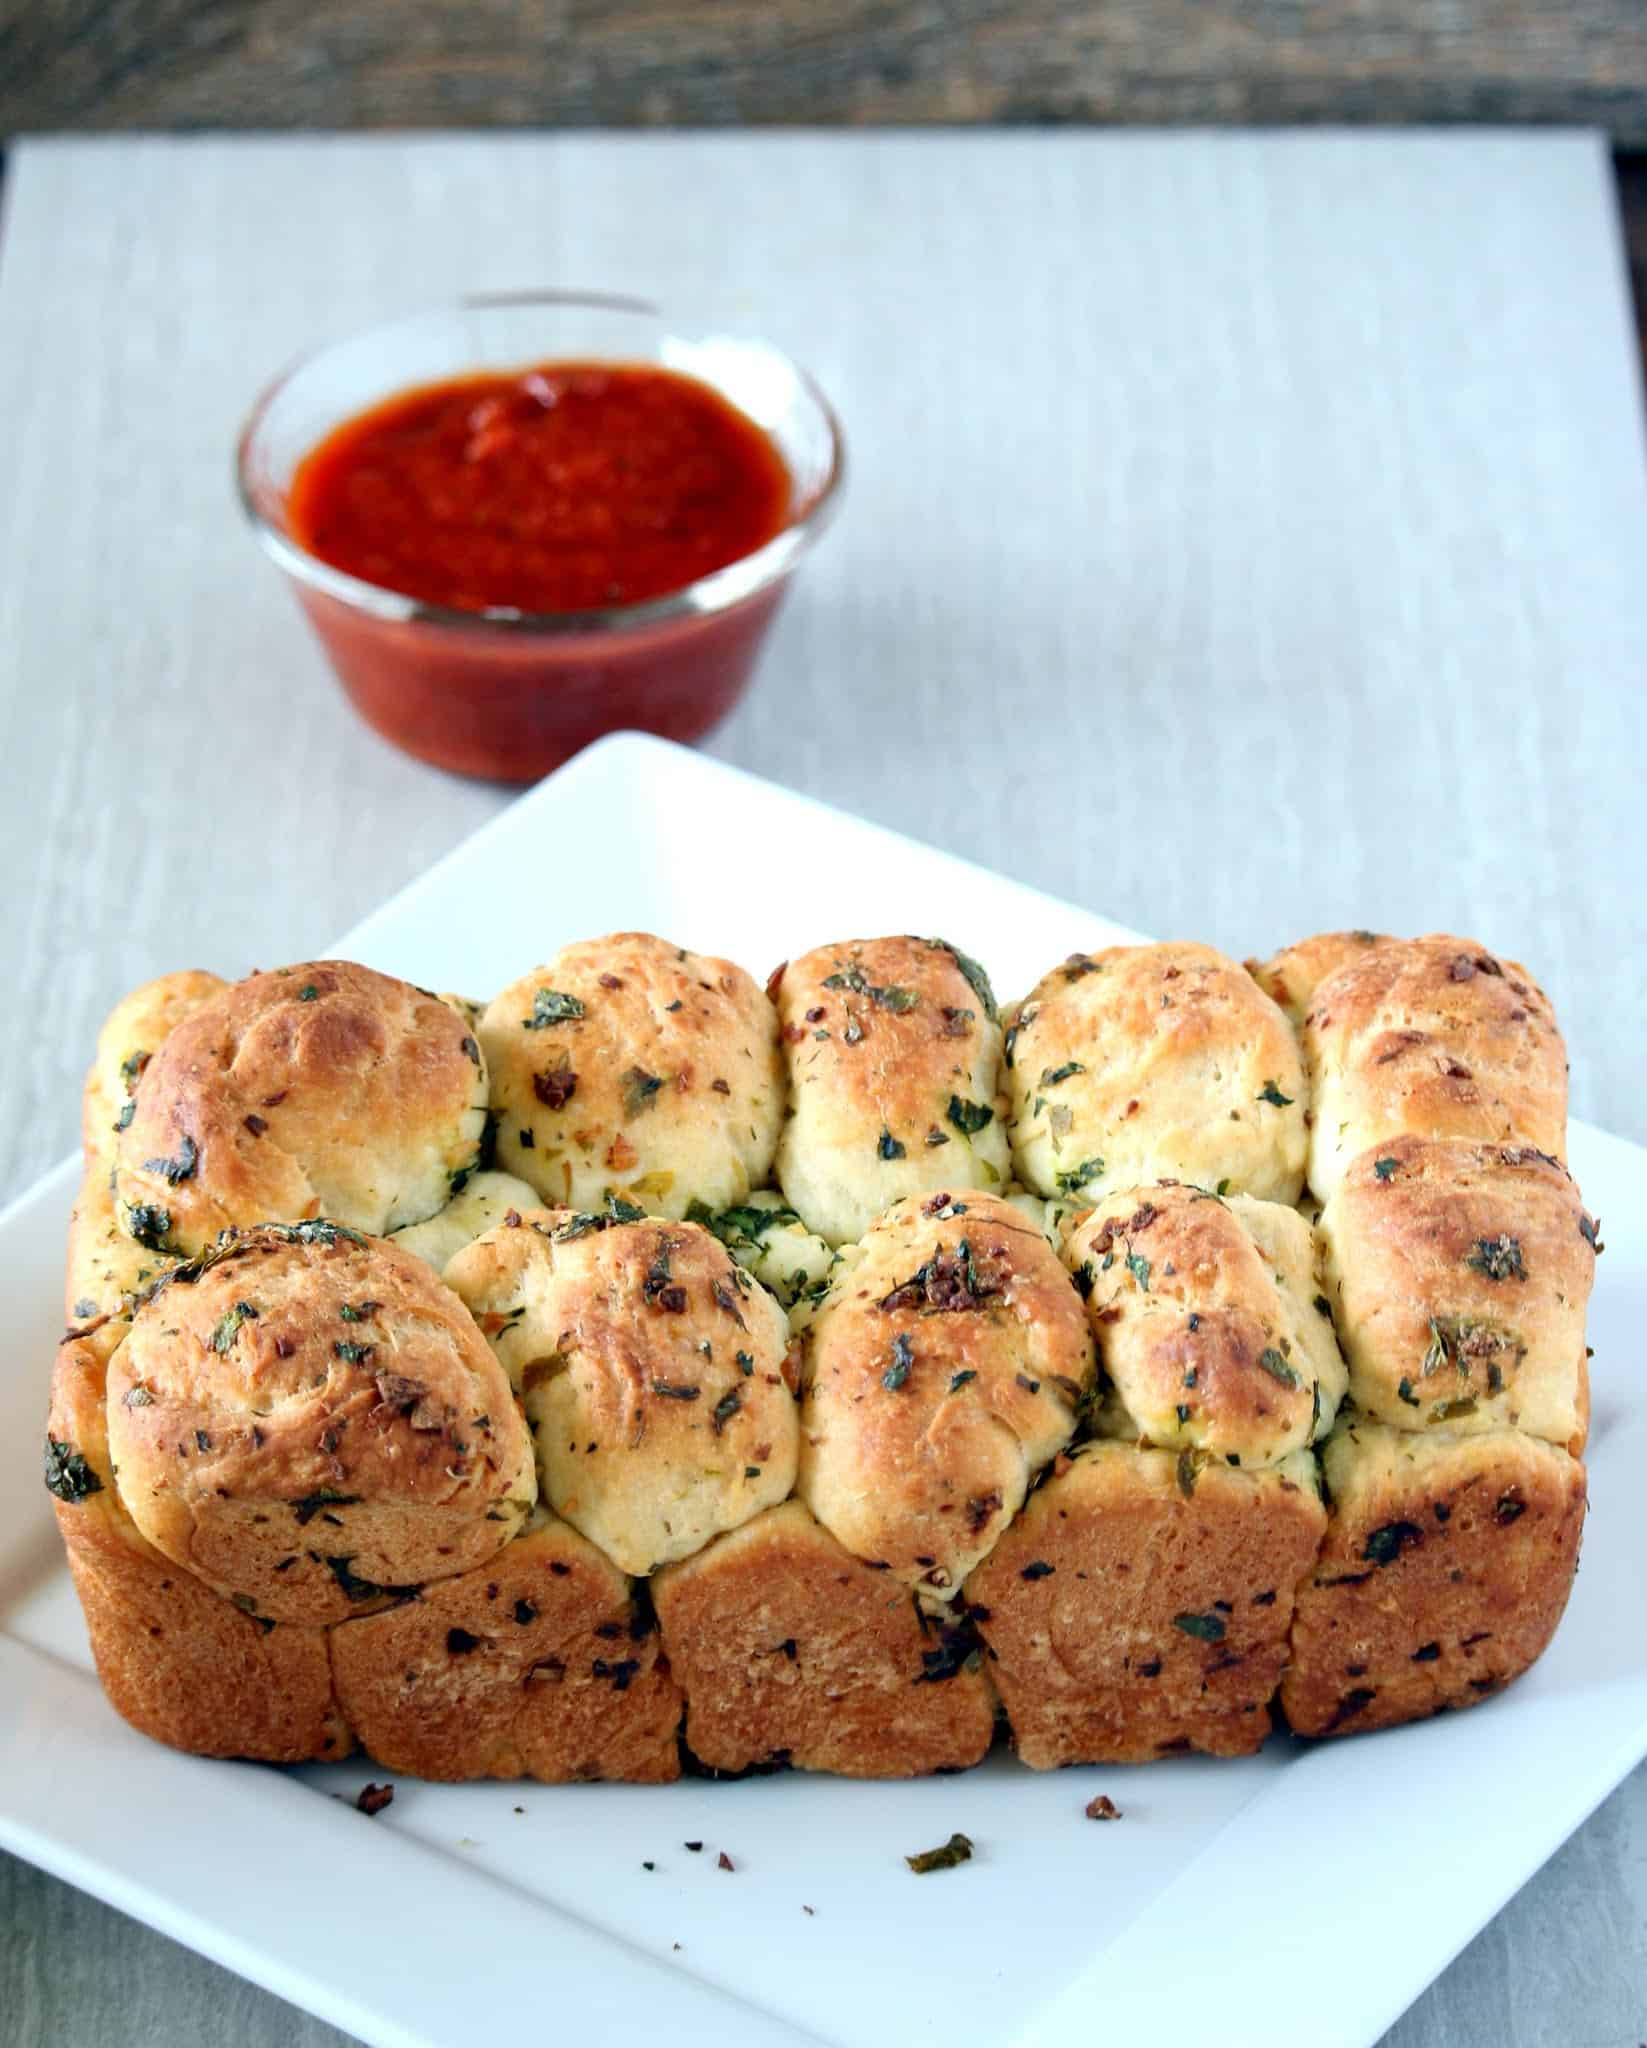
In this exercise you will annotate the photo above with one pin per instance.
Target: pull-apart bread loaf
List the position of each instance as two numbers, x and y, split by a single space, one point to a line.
643 1366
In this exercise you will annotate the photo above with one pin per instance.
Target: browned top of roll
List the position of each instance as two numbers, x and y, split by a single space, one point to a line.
1435 1037
1460 1274
309 1420
1289 977
1208 1323
893 1047
324 1089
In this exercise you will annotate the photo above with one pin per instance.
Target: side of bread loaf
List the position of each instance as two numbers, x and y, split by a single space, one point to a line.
884 1369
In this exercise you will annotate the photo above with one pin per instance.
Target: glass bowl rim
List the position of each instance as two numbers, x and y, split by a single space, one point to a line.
732 584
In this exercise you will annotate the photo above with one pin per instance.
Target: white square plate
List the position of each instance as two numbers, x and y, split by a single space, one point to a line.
1241 1897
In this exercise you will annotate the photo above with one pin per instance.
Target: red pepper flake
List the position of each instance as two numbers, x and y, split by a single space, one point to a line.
725 1862
256 1125
374 1798
1103 1808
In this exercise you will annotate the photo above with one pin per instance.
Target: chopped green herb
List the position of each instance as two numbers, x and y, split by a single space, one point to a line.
68 1476
960 1379
903 1357
976 979
1051 1076
1271 1361
149 1224
1323 1307
957 1850
307 993
1404 1392
1385 1167
668 1390
352 1354
1206 1628
621 1211
969 1117
725 1408
1073 1181
549 1006
1499 1258
181 1168
127 1111
888 1146
1271 1094
224 1335
1385 1545
639 1087
1138 1267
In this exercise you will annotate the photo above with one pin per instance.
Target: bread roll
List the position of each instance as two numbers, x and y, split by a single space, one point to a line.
178 1661
1146 1063
309 1422
768 1239
478 1207
1289 977
793 1652
132 1034
942 1372
652 1369
317 1090
1209 1323
630 1068
538 1664
1460 1274
1139 1605
893 1048
106 1271
1430 1038
1446 1567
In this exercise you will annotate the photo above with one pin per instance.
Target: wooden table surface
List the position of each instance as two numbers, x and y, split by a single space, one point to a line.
1245 536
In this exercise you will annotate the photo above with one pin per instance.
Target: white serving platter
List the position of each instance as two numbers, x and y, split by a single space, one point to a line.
1304 1896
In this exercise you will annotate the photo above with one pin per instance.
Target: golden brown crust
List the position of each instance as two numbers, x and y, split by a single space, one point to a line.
1289 977
793 1652
538 1665
629 1066
310 1422
177 1660
1207 1322
1145 1063
1446 1568
132 1034
1434 1038
317 1090
1138 1608
1460 1274
942 1371
893 1048
105 1271
653 1374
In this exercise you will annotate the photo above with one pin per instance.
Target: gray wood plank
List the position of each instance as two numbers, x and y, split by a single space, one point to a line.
671 63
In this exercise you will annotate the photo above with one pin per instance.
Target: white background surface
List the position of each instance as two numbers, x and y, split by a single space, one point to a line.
1245 535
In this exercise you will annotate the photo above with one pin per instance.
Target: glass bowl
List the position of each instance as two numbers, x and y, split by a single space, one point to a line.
508 695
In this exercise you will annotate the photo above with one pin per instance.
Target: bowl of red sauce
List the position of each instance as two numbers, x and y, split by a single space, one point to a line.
519 522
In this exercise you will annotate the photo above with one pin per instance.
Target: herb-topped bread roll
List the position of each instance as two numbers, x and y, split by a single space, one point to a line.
1290 976
942 1371
1140 1604
317 1090
629 1067
133 1032
310 1423
652 1368
894 1049
479 1206
1460 1274
1447 1565
1209 1324
794 1652
1144 1063
1435 1038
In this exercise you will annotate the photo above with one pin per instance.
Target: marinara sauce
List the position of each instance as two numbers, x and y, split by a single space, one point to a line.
568 487
531 500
